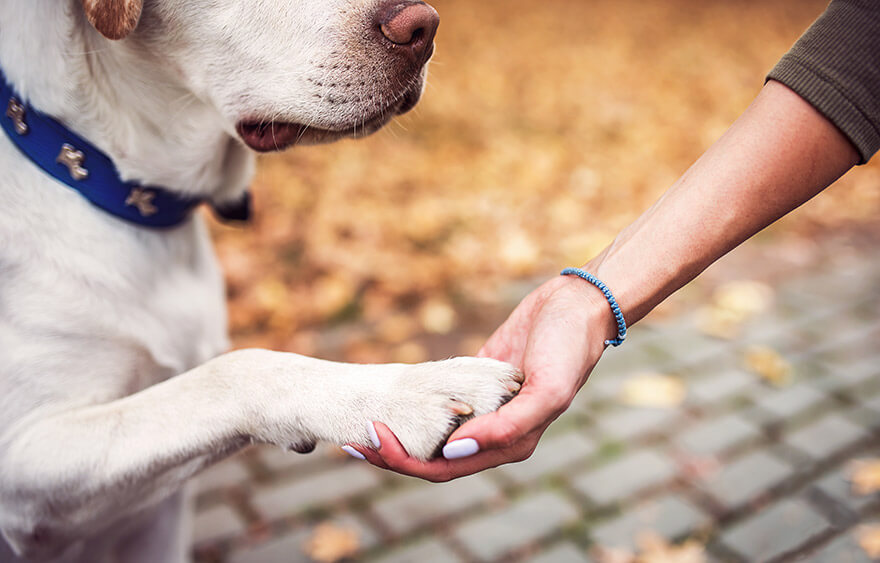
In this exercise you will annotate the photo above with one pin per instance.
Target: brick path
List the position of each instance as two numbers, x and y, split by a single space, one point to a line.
757 473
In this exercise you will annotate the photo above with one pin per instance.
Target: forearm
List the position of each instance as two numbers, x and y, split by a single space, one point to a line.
780 153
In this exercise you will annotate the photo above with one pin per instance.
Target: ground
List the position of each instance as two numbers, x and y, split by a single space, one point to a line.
731 420
756 461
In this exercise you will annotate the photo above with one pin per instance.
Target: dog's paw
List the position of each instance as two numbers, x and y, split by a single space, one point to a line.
429 401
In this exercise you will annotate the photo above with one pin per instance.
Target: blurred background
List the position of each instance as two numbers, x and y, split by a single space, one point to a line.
545 128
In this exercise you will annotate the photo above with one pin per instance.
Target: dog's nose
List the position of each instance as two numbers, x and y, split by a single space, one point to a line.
409 26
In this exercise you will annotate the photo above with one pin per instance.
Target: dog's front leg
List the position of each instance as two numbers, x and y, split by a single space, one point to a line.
64 476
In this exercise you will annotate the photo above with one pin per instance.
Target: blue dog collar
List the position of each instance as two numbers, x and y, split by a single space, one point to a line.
75 162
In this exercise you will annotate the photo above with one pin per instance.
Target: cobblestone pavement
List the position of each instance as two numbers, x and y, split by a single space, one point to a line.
755 472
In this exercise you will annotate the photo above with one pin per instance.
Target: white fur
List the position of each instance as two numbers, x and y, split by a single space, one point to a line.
109 397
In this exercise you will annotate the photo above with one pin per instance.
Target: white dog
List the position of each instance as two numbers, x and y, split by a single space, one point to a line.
109 397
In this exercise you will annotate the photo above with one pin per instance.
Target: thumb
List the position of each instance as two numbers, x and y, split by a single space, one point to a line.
527 412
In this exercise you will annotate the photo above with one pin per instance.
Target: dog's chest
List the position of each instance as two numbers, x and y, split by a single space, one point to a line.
155 299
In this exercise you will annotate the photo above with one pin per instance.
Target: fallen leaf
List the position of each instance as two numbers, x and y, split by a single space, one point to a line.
410 353
437 316
330 543
519 252
653 390
612 555
869 540
864 474
655 549
331 293
744 298
769 364
733 304
396 328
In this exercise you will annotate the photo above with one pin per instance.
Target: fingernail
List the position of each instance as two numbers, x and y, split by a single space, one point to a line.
460 448
373 436
353 452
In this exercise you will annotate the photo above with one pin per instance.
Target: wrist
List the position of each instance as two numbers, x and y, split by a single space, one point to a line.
594 305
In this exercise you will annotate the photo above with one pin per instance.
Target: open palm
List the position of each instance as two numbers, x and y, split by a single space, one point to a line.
555 336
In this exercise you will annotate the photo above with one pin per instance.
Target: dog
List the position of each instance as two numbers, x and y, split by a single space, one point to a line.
116 385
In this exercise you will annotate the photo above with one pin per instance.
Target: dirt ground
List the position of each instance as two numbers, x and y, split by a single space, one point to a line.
545 128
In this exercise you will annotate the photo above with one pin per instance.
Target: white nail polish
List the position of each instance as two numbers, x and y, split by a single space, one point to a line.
353 452
373 436
460 448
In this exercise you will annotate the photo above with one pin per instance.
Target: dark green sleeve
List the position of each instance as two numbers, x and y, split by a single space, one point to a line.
835 66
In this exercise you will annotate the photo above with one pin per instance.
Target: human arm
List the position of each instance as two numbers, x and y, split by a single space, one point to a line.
779 154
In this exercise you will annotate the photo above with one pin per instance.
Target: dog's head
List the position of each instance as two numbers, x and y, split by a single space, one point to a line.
283 72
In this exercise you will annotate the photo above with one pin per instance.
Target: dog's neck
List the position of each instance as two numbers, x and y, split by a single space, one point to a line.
126 103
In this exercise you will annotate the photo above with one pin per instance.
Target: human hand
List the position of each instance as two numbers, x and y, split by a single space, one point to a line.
555 336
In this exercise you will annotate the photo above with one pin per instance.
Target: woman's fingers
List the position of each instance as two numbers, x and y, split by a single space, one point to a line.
391 455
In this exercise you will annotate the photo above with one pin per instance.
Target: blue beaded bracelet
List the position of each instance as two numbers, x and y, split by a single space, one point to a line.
615 308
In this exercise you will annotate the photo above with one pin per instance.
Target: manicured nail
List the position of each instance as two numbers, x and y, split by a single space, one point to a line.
373 436
460 448
353 452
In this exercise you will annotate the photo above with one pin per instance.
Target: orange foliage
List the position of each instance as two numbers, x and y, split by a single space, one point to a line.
545 128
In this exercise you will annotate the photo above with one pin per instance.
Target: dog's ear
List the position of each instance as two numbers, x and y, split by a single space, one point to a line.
114 19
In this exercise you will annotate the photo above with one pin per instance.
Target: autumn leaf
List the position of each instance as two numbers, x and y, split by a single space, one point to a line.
653 548
604 554
864 474
409 353
331 293
769 364
869 540
653 390
733 304
330 543
519 252
396 328
437 316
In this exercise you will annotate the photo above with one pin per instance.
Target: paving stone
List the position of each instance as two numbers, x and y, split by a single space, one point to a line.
291 547
685 345
413 508
775 531
716 436
851 375
565 552
783 404
842 549
873 403
427 551
552 455
217 522
606 379
286 498
724 385
526 521
671 516
626 476
838 486
827 437
285 549
227 473
628 423
745 479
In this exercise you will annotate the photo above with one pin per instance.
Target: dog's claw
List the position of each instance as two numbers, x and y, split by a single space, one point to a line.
460 408
303 447
514 386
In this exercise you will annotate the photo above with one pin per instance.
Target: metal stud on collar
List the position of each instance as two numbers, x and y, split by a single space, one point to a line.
15 111
143 200
72 159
